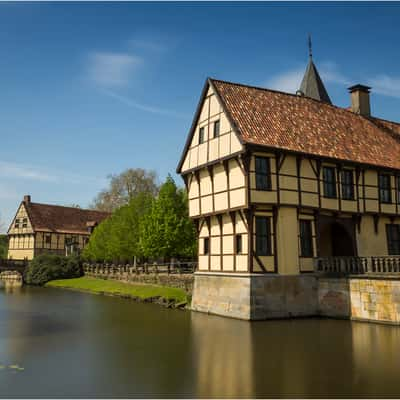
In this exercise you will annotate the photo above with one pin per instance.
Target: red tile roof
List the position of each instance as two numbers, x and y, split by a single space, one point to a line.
51 218
281 120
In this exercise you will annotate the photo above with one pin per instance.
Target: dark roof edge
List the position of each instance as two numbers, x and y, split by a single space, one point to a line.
69 207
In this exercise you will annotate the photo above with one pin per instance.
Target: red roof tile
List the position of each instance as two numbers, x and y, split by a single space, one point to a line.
51 218
300 124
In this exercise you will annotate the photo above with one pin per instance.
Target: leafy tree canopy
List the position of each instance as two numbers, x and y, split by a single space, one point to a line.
3 246
124 187
166 231
146 227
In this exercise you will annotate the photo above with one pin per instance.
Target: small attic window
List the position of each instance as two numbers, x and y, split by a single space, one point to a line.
216 128
201 135
25 222
16 224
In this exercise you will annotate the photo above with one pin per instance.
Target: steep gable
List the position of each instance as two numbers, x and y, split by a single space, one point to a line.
24 224
200 152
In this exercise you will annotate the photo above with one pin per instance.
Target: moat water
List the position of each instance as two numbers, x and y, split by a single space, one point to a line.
56 343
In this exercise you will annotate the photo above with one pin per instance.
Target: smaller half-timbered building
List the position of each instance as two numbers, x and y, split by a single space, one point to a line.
45 228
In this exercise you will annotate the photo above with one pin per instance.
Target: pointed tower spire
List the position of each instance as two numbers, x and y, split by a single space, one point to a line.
312 85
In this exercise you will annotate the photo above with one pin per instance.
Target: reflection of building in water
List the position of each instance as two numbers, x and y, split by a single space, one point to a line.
223 357
376 356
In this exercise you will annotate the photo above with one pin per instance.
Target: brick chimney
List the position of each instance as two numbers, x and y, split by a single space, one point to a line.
27 198
360 103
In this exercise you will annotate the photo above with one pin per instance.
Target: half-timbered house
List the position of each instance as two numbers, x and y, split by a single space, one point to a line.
277 181
45 228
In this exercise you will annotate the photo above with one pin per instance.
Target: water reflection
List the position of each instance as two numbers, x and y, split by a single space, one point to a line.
223 356
77 345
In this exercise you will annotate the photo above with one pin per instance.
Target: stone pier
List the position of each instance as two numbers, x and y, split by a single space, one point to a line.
262 297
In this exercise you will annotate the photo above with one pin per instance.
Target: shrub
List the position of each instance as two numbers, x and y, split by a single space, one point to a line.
47 267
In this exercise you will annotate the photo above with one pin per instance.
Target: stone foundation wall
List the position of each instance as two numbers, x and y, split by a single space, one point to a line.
222 295
370 298
261 297
255 297
180 281
333 297
283 296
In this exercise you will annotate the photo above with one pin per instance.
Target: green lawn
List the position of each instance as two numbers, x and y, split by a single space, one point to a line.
95 285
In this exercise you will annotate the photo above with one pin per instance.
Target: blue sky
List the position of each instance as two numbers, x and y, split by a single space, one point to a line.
89 89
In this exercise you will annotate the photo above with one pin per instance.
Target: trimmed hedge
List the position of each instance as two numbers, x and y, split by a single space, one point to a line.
47 267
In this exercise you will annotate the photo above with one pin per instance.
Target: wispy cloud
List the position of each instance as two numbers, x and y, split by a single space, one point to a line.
148 45
329 72
8 192
289 81
113 69
385 85
13 170
33 173
143 107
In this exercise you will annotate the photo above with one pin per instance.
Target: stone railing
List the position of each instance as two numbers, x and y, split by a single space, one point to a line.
13 265
178 274
178 267
358 265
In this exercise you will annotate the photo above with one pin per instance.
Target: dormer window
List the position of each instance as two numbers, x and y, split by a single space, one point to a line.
201 135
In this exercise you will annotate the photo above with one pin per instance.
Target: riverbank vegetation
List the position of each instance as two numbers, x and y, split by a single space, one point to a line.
47 267
147 227
155 293
3 246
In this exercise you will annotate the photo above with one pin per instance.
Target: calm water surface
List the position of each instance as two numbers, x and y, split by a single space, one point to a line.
80 345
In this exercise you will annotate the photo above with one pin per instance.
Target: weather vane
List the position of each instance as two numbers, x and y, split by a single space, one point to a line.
309 46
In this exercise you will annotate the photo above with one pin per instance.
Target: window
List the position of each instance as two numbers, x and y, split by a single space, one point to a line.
329 178
393 239
47 239
306 240
206 245
347 184
385 192
263 173
201 135
263 236
25 222
16 225
398 189
216 128
238 244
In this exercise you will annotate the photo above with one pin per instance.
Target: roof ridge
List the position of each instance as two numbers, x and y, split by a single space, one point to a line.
298 97
69 207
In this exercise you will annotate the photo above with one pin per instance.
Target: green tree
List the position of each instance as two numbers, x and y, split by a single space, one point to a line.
3 246
118 237
124 187
166 231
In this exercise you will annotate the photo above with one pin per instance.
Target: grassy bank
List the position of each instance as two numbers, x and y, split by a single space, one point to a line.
136 291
